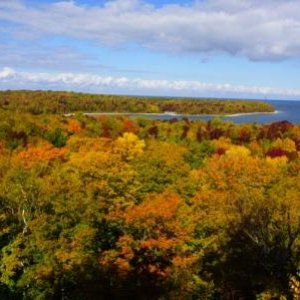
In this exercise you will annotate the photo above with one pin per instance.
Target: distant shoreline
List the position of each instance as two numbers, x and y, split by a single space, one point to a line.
253 113
174 114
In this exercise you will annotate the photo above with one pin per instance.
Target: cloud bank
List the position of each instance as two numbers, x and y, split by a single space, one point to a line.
75 81
259 30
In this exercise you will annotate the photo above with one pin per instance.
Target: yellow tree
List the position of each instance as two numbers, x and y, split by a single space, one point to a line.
252 210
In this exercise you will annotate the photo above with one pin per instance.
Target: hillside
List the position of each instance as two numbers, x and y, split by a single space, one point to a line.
113 208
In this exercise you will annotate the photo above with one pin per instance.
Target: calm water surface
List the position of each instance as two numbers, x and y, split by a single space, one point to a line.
287 110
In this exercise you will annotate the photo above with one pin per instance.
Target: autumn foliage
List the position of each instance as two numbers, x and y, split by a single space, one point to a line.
118 208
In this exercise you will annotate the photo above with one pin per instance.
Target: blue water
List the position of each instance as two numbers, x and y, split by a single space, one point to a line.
287 110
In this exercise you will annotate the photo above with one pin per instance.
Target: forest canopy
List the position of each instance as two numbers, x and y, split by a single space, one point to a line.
115 208
38 102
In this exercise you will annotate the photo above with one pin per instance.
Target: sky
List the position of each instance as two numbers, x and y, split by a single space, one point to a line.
191 48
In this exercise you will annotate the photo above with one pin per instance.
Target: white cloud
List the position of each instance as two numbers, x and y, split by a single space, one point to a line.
259 30
11 77
7 73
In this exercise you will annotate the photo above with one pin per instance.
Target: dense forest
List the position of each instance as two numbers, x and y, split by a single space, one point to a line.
37 102
114 208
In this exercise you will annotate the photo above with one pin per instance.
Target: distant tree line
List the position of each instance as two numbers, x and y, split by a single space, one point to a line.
38 102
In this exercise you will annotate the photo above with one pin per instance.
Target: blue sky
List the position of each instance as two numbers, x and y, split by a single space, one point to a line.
216 48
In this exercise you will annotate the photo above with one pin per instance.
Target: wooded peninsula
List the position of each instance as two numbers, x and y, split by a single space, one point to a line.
109 207
37 102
